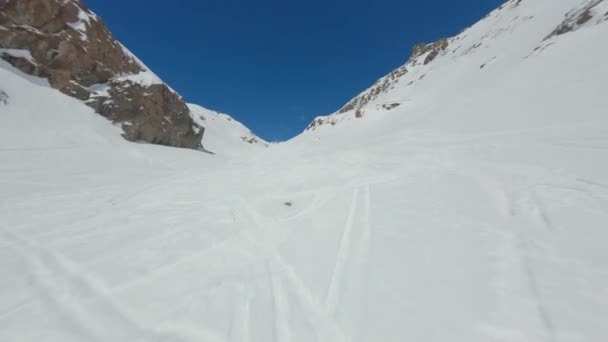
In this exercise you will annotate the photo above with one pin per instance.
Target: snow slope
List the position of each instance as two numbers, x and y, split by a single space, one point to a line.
224 134
474 211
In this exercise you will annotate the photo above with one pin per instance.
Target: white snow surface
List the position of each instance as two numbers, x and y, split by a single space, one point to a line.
475 211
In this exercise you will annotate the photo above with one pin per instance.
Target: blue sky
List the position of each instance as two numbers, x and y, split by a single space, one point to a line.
276 64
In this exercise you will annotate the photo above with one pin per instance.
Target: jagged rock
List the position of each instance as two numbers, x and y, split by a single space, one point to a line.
432 49
389 106
419 50
72 47
3 97
250 139
579 17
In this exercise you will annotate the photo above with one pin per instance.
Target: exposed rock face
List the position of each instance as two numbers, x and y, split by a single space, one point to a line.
63 41
590 12
3 97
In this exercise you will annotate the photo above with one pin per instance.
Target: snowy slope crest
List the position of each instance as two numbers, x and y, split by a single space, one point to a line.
528 25
223 133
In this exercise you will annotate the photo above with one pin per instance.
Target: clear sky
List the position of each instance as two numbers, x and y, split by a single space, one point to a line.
276 64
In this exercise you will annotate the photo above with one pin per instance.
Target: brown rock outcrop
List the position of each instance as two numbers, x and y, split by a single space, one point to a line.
63 41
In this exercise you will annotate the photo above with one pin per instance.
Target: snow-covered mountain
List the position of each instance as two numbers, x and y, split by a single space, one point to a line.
470 205
510 45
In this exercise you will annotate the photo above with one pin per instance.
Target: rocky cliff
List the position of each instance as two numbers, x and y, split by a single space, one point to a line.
66 43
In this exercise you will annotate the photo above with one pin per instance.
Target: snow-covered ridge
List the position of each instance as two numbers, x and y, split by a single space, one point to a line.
485 41
223 133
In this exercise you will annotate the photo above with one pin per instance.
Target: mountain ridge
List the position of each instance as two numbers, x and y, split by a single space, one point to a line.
576 15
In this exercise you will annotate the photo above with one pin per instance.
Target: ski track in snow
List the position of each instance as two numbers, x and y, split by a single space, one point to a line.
522 209
241 322
335 286
54 274
281 308
80 300
282 274
525 253
350 271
